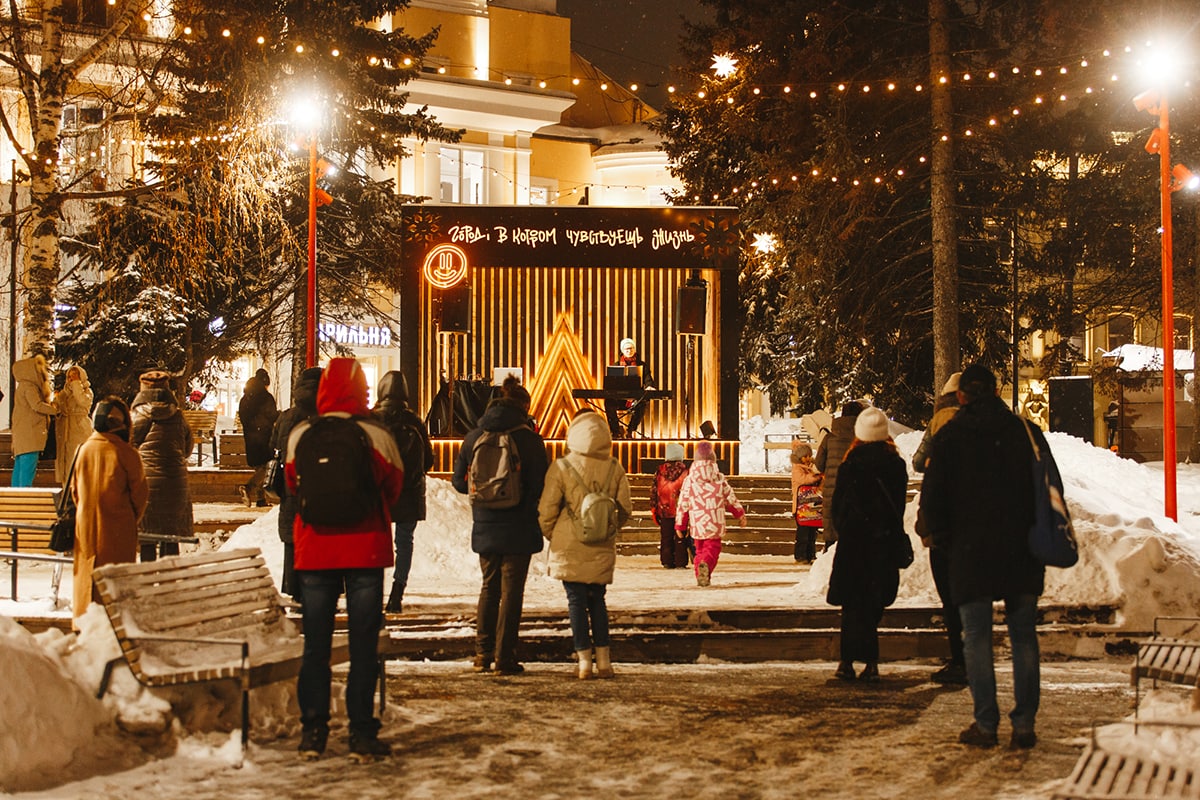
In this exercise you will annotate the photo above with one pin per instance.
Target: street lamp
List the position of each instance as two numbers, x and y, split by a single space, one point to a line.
307 116
1154 102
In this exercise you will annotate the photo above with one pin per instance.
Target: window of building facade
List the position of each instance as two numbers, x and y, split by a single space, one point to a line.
1183 333
461 178
1120 330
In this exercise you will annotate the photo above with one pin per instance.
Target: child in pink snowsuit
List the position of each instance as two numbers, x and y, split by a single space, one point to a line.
704 499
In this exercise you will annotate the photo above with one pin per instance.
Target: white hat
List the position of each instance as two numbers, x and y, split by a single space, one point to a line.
674 452
628 343
951 383
871 426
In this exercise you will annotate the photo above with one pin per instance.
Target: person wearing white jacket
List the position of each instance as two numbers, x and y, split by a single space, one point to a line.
585 569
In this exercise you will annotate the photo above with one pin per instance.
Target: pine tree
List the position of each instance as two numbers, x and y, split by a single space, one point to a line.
222 224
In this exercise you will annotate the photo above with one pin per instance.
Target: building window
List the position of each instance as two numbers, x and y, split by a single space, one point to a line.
1183 333
461 179
1120 331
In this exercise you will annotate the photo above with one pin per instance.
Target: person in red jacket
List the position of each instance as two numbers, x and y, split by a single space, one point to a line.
328 557
668 480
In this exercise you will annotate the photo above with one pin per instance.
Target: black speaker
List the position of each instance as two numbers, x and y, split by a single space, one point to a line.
1071 407
708 430
691 309
456 309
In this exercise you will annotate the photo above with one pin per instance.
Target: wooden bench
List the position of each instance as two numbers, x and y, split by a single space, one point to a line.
205 617
1101 774
204 429
29 515
1168 658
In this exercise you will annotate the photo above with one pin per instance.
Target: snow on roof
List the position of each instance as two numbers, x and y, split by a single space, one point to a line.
1139 357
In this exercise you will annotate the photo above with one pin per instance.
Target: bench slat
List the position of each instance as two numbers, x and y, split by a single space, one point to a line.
202 580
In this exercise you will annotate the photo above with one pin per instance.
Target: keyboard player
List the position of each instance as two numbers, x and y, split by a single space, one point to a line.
635 406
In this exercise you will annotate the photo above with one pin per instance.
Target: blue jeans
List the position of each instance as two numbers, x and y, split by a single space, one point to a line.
404 554
501 599
364 607
24 468
1020 614
586 601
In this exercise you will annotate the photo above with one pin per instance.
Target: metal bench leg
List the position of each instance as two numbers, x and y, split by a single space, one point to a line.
382 685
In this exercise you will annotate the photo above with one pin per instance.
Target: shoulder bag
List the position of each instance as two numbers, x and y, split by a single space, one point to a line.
1051 536
62 537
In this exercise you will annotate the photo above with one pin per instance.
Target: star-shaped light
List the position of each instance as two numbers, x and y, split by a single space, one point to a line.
764 243
724 65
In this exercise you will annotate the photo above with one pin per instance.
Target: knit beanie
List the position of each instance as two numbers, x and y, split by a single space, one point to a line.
675 451
704 452
952 383
871 426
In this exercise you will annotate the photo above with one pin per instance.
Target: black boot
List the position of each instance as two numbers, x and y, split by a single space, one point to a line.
394 600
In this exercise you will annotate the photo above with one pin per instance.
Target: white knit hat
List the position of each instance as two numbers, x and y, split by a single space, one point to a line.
674 451
951 383
628 343
871 425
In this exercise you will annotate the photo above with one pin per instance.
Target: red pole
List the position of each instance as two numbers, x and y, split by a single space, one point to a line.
310 331
1168 313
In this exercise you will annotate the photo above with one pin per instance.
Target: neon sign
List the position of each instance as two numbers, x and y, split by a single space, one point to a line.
445 266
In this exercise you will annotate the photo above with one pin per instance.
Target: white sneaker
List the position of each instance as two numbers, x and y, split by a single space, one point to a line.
702 575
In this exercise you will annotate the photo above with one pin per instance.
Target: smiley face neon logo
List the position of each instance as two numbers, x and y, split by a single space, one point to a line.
445 266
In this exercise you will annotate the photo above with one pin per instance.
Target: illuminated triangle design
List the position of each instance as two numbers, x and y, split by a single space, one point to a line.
561 368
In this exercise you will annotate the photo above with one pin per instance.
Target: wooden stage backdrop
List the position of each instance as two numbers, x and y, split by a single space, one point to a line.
553 289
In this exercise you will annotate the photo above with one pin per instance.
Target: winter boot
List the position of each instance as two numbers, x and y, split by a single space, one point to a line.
585 664
702 576
394 601
367 748
604 662
312 742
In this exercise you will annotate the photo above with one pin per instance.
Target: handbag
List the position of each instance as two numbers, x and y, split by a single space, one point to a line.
897 547
62 535
1051 536
275 487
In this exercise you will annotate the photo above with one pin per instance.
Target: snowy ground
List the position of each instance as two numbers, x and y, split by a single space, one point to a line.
710 730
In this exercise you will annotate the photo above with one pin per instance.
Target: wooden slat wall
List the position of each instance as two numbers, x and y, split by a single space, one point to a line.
513 314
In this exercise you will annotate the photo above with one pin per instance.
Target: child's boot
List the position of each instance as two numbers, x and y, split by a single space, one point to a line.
585 664
604 662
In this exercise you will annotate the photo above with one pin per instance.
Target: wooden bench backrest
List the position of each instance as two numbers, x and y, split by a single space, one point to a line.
225 595
36 506
1099 773
201 422
1172 660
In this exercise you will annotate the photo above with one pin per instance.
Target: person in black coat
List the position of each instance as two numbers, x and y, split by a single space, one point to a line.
257 412
977 502
868 507
505 538
412 439
164 440
304 406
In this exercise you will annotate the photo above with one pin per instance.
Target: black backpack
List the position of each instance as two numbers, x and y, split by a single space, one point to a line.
410 441
334 480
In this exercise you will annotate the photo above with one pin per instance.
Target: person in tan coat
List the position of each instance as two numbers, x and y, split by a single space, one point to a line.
110 492
74 424
31 413
585 569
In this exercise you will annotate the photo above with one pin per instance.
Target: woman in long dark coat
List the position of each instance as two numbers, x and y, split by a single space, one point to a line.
868 507
304 406
163 438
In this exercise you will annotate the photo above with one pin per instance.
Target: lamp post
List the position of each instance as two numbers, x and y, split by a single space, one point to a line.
310 324
1154 102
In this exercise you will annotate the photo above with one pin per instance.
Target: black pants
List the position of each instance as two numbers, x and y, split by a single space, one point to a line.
672 549
939 564
860 633
151 551
806 542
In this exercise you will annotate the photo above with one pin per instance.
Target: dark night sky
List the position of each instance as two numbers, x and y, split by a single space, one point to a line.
635 41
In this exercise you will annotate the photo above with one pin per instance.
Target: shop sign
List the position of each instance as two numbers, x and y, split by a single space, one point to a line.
356 334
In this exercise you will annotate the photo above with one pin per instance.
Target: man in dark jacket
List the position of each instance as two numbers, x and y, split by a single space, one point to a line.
304 407
257 412
505 538
977 503
412 440
830 453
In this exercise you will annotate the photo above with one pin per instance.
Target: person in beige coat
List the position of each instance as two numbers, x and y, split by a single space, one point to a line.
110 492
31 413
74 424
585 569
